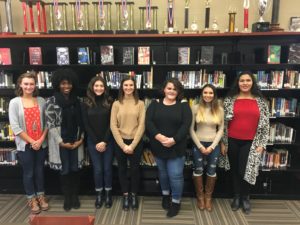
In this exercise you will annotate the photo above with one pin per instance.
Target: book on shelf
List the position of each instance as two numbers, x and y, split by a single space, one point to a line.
128 56
274 52
35 56
63 57
184 55
207 55
107 54
294 54
5 56
83 55
143 55
6 80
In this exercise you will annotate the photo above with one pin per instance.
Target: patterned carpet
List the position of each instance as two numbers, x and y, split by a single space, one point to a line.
13 211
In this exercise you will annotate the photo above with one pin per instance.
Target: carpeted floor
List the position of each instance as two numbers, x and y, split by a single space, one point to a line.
13 211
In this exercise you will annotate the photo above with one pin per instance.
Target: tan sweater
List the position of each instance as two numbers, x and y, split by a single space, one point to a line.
207 131
127 121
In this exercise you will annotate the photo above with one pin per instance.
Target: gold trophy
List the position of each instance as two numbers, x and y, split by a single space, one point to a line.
102 17
80 17
8 27
148 13
58 17
125 17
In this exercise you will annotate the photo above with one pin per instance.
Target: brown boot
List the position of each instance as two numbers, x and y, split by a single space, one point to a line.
209 189
43 202
198 182
34 205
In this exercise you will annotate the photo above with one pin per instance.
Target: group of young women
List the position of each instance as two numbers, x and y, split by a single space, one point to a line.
56 128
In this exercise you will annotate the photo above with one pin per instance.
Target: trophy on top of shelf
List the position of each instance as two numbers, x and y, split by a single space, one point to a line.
35 8
125 17
148 13
275 15
231 23
262 26
246 6
58 17
80 17
215 27
102 17
170 27
7 29
194 26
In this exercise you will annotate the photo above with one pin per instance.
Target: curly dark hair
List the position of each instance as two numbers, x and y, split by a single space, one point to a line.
121 91
30 75
235 90
65 74
178 86
90 99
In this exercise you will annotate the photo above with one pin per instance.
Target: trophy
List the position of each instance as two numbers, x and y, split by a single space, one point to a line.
149 13
194 26
207 16
261 26
39 7
170 27
80 17
125 17
8 27
231 25
275 14
102 17
246 7
58 17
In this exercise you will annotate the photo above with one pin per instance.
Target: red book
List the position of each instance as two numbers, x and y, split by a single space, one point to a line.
5 56
35 56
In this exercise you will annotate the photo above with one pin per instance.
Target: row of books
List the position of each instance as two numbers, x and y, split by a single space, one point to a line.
8 156
4 102
280 133
280 107
197 79
274 54
278 158
6 133
278 79
6 80
207 53
44 79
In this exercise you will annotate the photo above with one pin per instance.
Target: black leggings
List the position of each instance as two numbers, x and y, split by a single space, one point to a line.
238 152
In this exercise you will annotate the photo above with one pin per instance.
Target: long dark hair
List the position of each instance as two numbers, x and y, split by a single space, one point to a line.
30 75
178 87
90 94
121 91
235 90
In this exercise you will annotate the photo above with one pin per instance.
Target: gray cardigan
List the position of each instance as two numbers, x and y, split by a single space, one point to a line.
17 120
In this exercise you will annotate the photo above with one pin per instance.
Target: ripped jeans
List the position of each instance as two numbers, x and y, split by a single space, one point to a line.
201 161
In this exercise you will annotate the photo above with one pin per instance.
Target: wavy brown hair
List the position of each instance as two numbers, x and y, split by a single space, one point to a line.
30 75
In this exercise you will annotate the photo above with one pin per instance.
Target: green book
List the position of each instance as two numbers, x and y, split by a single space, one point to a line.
274 52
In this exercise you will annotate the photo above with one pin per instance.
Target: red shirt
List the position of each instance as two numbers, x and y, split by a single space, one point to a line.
245 119
33 122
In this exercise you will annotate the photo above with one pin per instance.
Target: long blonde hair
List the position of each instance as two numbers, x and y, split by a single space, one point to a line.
215 107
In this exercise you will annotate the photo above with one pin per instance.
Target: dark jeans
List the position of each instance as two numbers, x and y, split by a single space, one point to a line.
33 163
69 160
170 173
238 152
102 165
210 160
134 167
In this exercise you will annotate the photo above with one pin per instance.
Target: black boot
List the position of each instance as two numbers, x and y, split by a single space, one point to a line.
166 202
134 201
246 204
99 200
66 190
125 202
108 199
235 204
173 210
75 182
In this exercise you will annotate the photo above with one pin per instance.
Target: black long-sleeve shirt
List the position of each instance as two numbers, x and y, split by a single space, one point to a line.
96 121
171 121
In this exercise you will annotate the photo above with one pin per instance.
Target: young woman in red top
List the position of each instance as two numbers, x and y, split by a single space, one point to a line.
246 134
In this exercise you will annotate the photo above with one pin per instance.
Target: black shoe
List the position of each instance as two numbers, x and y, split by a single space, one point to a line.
134 201
173 210
235 204
99 200
125 202
75 202
246 204
108 199
67 203
166 202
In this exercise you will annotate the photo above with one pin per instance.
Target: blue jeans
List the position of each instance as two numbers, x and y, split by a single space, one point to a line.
170 172
210 161
102 165
69 160
33 163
